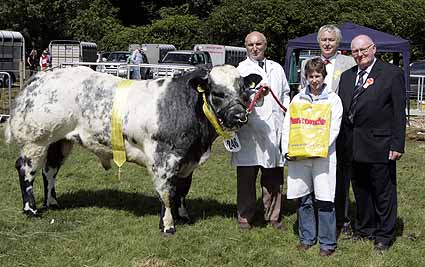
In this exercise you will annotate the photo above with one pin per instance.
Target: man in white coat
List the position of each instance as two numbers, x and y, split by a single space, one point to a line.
260 139
329 37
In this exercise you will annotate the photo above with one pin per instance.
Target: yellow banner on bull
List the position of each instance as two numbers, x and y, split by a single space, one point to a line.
309 130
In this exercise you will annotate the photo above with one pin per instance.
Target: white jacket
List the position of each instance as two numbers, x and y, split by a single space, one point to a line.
318 174
260 137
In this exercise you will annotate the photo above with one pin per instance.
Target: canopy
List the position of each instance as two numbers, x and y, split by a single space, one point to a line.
384 43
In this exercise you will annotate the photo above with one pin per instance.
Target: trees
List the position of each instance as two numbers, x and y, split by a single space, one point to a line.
113 24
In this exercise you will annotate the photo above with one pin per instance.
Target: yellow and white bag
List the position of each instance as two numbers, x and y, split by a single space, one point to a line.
309 130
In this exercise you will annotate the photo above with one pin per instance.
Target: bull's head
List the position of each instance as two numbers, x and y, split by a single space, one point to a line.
224 88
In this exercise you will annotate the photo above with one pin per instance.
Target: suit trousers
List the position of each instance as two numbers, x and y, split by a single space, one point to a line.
271 184
342 200
374 186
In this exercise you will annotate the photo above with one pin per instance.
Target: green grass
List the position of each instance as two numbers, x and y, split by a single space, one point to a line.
104 221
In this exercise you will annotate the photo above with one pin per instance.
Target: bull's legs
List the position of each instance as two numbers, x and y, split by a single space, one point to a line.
26 165
182 189
56 155
173 204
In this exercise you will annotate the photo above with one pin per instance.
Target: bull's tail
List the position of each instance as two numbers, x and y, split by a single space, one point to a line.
8 133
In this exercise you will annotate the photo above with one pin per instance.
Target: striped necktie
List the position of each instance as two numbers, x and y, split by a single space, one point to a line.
356 93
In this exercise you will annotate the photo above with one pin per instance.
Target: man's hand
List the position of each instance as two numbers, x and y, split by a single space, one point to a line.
266 89
394 155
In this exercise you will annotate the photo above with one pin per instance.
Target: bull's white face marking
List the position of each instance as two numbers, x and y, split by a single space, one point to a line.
226 76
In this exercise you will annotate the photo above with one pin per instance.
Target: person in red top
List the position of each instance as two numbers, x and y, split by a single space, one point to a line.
44 61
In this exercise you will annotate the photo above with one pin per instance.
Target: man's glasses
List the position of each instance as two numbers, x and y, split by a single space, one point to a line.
361 50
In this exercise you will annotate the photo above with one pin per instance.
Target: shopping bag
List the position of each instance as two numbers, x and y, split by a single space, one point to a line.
309 130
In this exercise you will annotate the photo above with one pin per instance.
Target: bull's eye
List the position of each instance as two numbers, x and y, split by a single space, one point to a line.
218 94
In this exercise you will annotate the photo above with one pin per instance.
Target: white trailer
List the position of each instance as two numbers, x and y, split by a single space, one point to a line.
223 54
12 55
71 51
156 52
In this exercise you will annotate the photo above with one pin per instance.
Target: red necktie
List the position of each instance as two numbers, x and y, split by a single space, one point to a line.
326 61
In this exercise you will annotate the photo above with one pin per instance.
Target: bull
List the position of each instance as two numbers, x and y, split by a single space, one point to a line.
161 124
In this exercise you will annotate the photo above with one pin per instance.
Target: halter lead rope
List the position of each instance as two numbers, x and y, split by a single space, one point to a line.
261 91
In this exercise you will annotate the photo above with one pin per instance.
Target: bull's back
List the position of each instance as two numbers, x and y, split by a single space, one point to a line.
52 103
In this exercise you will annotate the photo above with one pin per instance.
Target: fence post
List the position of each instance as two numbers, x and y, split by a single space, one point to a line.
21 75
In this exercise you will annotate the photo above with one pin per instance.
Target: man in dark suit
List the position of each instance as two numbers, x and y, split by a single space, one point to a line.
372 138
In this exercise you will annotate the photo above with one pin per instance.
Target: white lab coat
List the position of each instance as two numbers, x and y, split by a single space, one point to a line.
260 137
318 174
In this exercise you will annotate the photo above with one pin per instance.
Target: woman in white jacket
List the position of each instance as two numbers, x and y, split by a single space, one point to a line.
312 180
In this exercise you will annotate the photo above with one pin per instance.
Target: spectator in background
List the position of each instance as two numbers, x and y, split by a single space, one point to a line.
260 139
44 60
136 59
49 56
32 62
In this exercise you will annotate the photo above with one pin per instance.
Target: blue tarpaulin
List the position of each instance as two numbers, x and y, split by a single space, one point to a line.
384 43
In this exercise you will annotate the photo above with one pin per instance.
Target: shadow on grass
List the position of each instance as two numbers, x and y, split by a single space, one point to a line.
140 204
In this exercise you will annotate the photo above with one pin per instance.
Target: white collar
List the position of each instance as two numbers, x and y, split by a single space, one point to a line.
368 69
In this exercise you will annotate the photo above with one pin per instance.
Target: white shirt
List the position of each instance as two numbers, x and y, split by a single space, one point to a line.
366 74
260 137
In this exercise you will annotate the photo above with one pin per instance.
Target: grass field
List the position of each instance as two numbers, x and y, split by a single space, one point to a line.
104 221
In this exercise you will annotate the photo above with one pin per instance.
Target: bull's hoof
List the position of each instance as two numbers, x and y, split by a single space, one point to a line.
31 213
169 232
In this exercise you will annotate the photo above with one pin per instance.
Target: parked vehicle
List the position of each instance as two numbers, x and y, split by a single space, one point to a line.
116 64
177 62
223 54
417 69
72 51
12 54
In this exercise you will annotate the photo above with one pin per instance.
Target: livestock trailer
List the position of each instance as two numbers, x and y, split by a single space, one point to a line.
72 51
223 54
12 56
156 52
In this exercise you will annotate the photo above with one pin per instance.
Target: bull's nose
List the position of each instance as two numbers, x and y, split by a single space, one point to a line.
241 117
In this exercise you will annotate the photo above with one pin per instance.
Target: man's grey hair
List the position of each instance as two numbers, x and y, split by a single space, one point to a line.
330 28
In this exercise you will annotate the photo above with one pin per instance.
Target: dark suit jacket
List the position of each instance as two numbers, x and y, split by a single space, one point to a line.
380 120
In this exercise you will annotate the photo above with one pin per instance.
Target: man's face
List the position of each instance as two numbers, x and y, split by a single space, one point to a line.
363 51
328 43
255 46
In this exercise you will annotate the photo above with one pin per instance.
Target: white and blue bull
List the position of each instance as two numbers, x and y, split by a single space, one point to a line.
163 127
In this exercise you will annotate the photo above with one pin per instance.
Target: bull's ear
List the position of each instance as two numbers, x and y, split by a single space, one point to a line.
199 77
251 80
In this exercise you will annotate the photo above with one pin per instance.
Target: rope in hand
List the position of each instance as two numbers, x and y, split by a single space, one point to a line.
260 92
